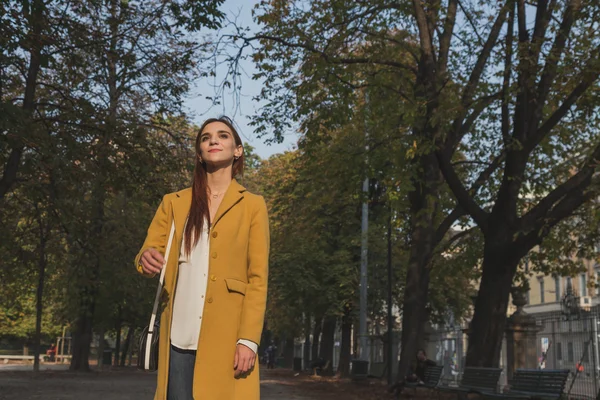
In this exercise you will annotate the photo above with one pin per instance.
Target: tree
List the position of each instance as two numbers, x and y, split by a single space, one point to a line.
548 91
318 58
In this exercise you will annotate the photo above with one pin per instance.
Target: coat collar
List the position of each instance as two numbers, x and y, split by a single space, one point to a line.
183 201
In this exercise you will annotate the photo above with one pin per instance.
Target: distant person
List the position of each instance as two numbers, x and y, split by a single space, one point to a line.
416 372
271 356
51 352
215 277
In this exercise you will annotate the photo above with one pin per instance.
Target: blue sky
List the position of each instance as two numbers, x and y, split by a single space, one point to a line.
199 108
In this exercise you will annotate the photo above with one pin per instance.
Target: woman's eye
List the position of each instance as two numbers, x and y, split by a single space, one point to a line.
223 136
204 138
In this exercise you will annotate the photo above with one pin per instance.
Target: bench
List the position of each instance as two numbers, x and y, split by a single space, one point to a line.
431 379
477 380
537 383
7 358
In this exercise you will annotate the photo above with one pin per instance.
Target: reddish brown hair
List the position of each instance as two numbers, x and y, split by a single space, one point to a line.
199 211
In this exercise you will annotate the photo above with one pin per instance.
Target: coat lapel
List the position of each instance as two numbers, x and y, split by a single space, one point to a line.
233 195
183 202
181 208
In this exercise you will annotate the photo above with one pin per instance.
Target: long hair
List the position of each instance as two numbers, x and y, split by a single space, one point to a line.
199 211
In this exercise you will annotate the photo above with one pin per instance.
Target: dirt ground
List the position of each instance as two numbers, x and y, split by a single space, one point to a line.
125 384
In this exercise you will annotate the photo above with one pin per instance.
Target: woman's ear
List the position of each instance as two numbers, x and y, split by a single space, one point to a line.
239 150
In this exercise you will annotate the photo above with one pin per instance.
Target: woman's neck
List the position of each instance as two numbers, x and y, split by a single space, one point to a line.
218 181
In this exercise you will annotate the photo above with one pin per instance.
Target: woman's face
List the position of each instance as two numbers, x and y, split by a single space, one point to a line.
217 145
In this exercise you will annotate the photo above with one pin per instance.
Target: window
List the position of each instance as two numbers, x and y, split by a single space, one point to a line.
583 284
570 356
557 287
569 283
542 294
559 351
598 282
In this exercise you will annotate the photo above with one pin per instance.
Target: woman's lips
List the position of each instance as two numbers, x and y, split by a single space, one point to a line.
214 151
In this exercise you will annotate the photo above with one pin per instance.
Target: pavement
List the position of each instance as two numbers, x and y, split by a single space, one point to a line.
17 382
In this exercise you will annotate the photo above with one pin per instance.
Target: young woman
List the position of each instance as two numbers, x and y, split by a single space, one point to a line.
215 286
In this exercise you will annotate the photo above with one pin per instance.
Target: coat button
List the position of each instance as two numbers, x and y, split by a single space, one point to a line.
215 234
214 254
210 300
213 278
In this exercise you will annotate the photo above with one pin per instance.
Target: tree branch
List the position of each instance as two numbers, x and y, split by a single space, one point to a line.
446 37
463 197
484 55
459 211
330 58
575 184
505 112
589 76
551 67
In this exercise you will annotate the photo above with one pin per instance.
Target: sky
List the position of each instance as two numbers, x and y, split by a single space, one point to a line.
200 109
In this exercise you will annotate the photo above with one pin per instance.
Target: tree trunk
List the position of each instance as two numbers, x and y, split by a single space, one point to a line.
307 348
489 318
101 349
118 338
346 345
82 337
423 213
316 337
39 305
126 345
327 341
288 352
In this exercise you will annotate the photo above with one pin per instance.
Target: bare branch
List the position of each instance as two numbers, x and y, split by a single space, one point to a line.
484 55
551 67
459 211
463 197
506 77
575 184
330 58
587 79
446 37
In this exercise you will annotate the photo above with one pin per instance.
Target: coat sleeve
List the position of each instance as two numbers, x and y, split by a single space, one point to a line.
255 302
157 235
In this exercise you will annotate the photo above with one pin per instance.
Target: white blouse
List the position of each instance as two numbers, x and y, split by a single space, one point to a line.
188 305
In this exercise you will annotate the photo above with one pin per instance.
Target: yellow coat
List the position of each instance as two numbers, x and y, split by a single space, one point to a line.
235 296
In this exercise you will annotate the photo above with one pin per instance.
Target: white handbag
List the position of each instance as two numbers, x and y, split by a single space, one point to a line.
148 346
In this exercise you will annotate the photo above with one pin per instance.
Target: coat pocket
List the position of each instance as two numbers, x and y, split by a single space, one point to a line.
234 285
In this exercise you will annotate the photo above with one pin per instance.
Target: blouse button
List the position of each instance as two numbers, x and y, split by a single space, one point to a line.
215 234
210 300
213 278
214 254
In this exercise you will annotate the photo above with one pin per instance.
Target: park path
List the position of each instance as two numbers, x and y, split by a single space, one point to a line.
109 385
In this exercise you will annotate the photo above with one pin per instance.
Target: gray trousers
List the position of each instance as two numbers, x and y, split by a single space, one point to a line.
181 374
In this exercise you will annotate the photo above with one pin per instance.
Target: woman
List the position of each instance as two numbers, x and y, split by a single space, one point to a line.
216 279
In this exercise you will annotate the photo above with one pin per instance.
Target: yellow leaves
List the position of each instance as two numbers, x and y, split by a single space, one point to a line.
411 152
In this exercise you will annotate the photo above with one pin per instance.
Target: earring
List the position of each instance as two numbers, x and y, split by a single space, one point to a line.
236 158
199 158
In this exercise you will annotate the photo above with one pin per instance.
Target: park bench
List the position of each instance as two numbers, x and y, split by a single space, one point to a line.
536 383
7 358
476 380
432 378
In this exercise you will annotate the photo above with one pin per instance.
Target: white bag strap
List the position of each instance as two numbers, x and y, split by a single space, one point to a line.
161 280
157 299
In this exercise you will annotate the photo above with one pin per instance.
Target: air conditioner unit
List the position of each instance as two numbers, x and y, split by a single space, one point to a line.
585 302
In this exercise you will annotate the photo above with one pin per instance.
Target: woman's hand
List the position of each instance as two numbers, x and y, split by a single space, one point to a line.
244 360
152 261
